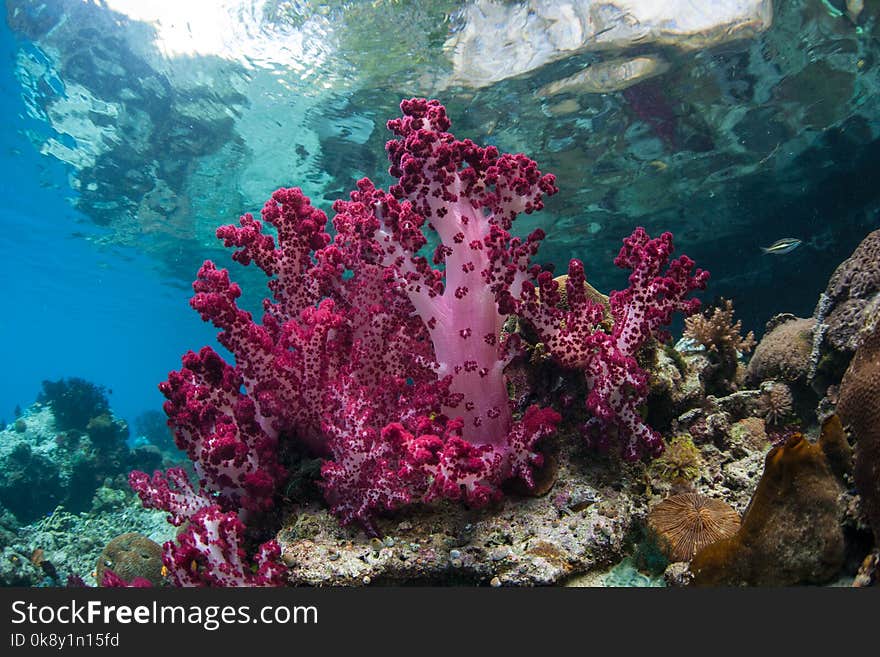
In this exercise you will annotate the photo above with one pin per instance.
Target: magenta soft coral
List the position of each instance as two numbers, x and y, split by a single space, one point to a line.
468 197
387 366
387 363
617 385
210 550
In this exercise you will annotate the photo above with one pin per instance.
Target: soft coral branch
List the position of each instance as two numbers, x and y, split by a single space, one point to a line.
384 362
574 336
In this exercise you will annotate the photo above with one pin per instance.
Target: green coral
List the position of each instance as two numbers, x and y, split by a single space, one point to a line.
679 461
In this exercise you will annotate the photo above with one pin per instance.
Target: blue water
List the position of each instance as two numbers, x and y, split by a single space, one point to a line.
72 308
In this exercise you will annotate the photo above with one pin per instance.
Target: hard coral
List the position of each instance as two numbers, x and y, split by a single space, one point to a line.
791 531
722 338
850 298
680 460
776 403
686 523
130 556
859 410
783 353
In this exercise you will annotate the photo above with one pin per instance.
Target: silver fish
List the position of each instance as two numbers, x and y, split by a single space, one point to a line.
783 246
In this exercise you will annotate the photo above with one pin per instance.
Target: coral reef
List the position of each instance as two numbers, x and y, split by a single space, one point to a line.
30 482
686 523
851 299
680 460
131 556
724 342
791 532
41 468
859 410
74 402
783 353
16 569
71 542
582 526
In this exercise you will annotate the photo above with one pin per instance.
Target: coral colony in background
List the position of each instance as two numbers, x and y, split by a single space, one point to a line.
389 363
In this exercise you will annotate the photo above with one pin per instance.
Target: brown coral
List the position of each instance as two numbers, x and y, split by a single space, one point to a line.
718 332
129 556
791 533
686 523
847 301
784 353
680 460
722 338
859 409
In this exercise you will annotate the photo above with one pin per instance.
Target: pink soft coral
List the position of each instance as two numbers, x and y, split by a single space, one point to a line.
617 385
387 366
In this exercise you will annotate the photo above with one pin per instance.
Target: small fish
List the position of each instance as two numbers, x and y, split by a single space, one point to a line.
783 246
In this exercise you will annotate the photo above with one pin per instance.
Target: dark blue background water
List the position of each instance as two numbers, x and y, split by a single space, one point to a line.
69 307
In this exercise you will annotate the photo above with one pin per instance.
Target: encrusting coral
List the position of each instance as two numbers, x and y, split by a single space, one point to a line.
859 410
688 522
724 343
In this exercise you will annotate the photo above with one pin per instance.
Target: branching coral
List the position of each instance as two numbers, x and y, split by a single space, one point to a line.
575 337
724 342
387 365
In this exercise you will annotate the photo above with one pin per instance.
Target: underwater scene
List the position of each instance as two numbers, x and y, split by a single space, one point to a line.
482 293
